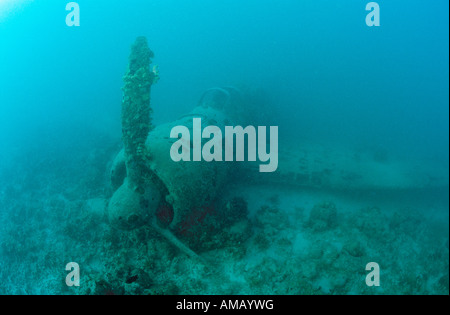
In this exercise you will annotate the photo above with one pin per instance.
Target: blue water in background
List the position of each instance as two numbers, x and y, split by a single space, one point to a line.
323 67
330 78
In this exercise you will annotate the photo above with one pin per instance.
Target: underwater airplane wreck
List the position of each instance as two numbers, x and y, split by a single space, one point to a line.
176 198
149 186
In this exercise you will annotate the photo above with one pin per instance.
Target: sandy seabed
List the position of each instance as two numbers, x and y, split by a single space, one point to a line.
291 240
